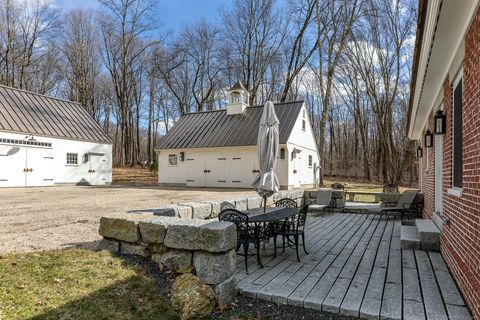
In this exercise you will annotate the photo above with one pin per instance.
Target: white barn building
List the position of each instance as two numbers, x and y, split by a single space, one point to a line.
46 141
218 148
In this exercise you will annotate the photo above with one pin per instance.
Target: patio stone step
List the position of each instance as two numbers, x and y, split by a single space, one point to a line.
409 238
429 234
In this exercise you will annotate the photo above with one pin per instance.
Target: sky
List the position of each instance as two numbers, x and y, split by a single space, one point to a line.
172 14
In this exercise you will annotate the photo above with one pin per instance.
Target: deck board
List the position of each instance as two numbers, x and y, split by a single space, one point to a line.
355 267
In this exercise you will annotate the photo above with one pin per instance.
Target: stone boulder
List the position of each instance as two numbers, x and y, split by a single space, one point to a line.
178 260
134 249
195 234
153 230
254 202
199 210
191 298
122 226
214 268
109 245
241 204
227 290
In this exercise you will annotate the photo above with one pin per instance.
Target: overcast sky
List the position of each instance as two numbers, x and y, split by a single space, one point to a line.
172 14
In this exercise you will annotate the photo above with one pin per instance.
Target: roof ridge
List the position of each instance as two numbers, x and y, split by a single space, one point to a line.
38 94
257 106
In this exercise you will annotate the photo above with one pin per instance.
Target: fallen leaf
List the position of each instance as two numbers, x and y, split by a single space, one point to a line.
20 286
39 303
56 280
2 257
14 264
141 300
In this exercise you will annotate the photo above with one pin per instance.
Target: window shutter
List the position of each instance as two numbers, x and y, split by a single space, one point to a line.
458 136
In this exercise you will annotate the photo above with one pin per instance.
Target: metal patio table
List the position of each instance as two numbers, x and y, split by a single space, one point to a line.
264 221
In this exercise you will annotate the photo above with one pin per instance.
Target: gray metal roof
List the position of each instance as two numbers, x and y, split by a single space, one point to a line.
217 129
237 86
28 112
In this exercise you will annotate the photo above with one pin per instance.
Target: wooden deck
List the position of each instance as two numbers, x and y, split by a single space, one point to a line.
355 267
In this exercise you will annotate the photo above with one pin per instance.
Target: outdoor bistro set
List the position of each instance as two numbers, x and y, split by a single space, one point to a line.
255 226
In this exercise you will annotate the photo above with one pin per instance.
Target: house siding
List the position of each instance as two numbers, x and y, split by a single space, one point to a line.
460 239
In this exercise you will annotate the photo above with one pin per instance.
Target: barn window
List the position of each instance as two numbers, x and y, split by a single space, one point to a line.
310 161
72 158
303 125
458 133
282 153
172 160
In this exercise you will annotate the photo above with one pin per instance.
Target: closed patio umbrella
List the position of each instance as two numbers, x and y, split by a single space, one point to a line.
266 182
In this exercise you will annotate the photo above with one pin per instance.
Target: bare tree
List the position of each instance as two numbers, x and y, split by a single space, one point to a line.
256 29
123 29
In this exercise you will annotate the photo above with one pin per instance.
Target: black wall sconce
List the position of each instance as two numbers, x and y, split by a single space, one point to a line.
440 122
419 152
182 156
428 139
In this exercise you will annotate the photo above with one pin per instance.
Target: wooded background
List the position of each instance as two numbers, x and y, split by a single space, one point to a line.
350 60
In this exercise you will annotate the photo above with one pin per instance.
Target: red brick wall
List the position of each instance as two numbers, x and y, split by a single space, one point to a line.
428 177
460 240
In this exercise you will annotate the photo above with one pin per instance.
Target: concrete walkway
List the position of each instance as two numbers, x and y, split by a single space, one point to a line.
355 267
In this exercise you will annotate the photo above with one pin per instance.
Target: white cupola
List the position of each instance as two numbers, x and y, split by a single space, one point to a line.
238 98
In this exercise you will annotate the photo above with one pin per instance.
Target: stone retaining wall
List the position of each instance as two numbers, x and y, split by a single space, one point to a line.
203 247
210 209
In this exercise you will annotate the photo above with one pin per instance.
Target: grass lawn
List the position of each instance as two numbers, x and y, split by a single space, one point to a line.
77 284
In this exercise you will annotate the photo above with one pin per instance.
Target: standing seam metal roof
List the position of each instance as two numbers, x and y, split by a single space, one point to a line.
32 113
217 129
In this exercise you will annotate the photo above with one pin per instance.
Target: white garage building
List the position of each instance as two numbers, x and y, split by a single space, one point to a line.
46 141
218 148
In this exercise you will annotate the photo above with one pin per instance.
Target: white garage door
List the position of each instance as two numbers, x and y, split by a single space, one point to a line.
242 170
98 169
24 166
195 170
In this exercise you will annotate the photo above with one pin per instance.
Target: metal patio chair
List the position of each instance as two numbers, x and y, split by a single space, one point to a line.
286 203
293 226
404 204
246 234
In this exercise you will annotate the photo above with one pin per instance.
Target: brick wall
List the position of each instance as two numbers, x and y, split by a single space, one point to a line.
428 177
460 240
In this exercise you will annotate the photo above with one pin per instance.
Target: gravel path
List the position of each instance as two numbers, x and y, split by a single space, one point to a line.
33 219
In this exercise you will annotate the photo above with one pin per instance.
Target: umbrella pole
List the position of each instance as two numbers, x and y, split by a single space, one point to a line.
264 204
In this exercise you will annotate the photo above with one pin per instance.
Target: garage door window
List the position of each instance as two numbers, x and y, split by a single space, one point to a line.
172 160
72 158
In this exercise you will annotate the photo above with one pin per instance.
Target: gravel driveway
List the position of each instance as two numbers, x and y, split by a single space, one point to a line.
33 219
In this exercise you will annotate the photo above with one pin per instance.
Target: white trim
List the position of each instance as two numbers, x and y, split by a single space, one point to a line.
457 192
469 7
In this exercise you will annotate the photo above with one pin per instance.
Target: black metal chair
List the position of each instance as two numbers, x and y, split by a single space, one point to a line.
337 186
246 234
293 226
390 188
286 203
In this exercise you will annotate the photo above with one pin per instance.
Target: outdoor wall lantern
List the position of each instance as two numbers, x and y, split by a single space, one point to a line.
182 156
428 139
440 122
419 152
